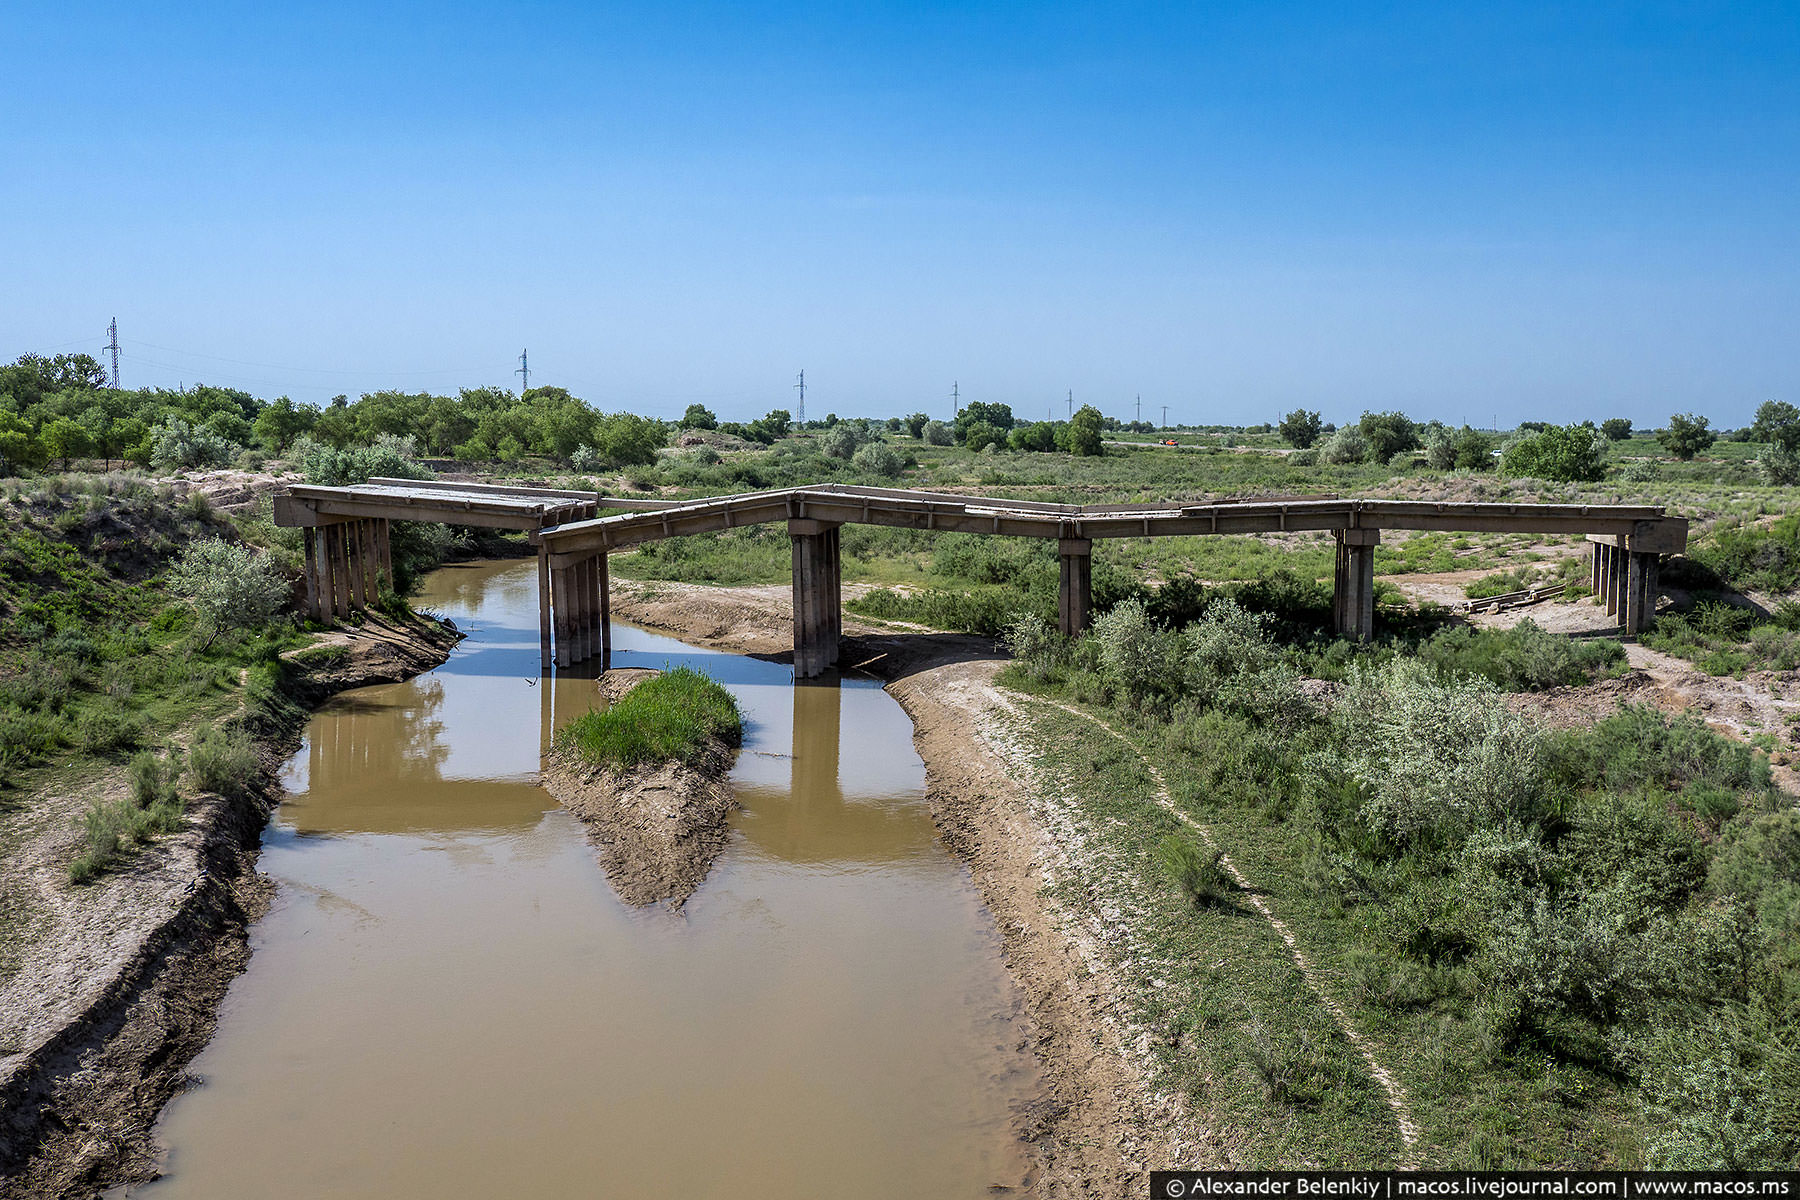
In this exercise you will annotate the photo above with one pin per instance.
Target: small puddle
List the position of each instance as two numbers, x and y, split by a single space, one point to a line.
447 999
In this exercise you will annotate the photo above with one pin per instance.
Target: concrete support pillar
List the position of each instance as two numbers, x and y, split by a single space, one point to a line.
818 618
1353 583
369 561
384 543
1641 586
561 602
590 610
340 571
1616 581
1075 587
543 578
605 577
312 573
1594 567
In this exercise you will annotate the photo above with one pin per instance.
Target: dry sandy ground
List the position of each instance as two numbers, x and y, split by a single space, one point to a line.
118 986
1099 1126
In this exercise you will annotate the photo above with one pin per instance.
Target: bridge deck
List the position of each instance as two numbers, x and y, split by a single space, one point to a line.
1648 526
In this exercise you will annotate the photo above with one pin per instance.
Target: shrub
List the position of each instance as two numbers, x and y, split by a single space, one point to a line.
937 433
1766 558
841 440
1199 873
1523 658
671 718
1387 434
179 446
1779 464
229 584
1437 757
1616 429
1138 656
1347 445
877 459
1564 453
224 762
389 456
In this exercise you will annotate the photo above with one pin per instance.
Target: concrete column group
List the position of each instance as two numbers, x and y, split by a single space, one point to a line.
818 596
1627 582
1075 589
574 611
1353 583
348 563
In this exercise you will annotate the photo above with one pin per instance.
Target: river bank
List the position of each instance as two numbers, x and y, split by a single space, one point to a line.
119 985
1101 1124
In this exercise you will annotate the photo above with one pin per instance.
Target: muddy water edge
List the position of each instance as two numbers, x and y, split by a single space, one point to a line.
447 999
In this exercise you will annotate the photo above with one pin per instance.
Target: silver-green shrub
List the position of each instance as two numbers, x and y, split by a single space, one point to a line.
230 585
1437 758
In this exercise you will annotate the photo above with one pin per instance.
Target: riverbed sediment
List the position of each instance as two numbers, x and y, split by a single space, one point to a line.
657 827
120 984
1100 1124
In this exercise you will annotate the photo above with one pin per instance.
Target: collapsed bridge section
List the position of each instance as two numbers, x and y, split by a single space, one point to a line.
348 551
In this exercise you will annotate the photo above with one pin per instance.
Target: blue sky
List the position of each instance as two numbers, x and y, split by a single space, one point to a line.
1531 211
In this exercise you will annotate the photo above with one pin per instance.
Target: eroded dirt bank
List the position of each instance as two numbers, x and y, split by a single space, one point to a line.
1100 1125
657 828
120 984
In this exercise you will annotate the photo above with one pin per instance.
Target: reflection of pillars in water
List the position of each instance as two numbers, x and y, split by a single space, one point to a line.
818 709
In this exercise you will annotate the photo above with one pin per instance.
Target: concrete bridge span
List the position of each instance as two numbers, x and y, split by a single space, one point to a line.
573 541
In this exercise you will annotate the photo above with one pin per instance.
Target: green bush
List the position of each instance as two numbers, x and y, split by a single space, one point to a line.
1436 758
1565 453
224 762
671 718
1523 658
229 584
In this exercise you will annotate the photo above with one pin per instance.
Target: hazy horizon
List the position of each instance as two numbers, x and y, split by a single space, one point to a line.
1511 213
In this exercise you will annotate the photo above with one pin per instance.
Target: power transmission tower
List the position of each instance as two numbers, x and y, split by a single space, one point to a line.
1071 404
1165 423
800 417
112 347
955 399
524 374
1140 409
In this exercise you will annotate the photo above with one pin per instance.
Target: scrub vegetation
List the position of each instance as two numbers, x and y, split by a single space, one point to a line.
1572 946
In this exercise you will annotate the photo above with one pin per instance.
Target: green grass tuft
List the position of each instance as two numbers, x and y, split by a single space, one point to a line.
671 718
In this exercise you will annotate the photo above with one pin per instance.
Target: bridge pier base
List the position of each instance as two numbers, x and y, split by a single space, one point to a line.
1353 583
818 596
1627 579
574 611
1075 590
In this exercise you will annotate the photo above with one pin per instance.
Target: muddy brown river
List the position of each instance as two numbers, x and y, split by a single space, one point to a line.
447 1000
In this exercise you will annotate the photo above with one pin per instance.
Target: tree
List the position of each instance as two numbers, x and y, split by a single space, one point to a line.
936 433
65 439
1687 435
627 439
1566 453
995 416
979 435
281 422
1778 423
1387 434
877 459
1616 429
777 421
698 416
1300 429
1040 436
179 446
1081 436
19 446
915 425
1346 445
230 585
